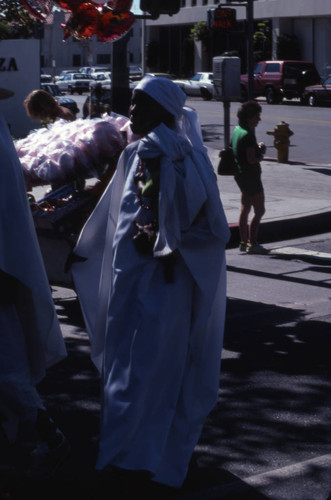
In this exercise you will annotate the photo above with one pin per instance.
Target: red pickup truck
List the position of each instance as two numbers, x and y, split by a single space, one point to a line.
276 80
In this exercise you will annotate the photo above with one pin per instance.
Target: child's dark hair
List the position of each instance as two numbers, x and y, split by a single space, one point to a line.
40 104
247 110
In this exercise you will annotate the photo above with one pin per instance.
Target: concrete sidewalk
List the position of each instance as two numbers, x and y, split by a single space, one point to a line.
298 199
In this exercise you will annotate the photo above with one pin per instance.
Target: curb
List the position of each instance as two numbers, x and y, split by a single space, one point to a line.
286 229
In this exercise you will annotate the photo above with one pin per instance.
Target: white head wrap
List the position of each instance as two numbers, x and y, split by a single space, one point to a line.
165 92
172 98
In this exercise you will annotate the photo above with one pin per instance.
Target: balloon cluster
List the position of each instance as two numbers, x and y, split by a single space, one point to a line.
108 20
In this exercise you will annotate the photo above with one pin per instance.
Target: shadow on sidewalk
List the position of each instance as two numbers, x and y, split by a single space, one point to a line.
275 384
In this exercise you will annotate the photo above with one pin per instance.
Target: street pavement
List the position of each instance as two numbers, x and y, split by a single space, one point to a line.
268 409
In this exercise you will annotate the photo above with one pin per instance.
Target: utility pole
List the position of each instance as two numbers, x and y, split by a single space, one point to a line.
250 40
250 47
120 85
143 46
235 69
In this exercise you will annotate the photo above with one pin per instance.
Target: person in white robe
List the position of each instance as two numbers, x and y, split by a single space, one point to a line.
30 335
152 287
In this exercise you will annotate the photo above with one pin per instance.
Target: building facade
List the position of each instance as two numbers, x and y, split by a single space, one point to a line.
57 55
168 46
305 21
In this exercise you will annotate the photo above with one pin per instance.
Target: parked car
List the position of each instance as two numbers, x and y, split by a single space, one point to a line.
194 86
44 78
318 94
135 73
101 75
105 83
61 76
98 102
52 88
55 91
90 70
276 80
170 76
134 82
101 78
75 82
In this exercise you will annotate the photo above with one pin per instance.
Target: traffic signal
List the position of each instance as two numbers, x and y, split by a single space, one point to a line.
157 7
224 18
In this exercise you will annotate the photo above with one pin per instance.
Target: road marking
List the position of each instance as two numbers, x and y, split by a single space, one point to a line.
302 469
299 468
300 252
273 117
299 119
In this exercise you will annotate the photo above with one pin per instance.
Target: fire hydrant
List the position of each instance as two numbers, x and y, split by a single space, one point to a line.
281 142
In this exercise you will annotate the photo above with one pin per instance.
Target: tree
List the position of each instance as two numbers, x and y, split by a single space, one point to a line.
200 32
15 21
262 41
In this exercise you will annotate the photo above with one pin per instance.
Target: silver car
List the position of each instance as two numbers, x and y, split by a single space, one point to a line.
75 82
201 84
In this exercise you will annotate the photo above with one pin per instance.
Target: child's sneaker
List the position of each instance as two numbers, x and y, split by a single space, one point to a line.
243 246
255 248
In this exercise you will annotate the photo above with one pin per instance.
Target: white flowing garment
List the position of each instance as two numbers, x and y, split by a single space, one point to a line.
30 335
157 345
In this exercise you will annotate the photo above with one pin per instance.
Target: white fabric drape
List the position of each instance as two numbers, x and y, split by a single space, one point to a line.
157 345
21 258
30 335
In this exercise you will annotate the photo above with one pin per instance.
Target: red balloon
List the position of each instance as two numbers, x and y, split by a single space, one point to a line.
69 5
38 8
83 22
113 25
66 32
108 20
121 5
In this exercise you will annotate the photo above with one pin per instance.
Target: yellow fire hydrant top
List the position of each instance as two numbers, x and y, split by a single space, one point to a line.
281 134
282 131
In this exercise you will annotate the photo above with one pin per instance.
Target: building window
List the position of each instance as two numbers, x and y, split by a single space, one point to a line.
194 2
103 58
76 60
183 3
204 2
